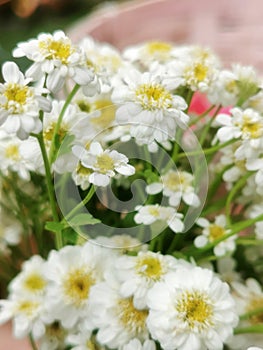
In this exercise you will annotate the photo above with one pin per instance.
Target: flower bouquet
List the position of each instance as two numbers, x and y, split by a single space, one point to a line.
131 209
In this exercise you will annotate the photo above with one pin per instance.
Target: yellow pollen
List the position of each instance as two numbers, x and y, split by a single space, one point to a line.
35 282
12 152
49 131
254 130
56 50
149 267
200 71
104 163
256 303
77 286
154 211
16 96
27 307
195 309
81 170
107 114
176 181
153 96
159 49
216 232
111 61
231 87
130 317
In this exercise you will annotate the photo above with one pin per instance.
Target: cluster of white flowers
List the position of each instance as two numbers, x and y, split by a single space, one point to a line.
80 131
90 297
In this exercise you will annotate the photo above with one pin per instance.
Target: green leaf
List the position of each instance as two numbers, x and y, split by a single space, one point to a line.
54 226
83 219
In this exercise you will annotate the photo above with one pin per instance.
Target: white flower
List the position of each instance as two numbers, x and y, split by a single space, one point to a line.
191 309
176 185
55 56
103 163
214 231
12 156
26 312
149 107
19 103
73 271
138 274
53 338
117 319
149 214
10 232
246 125
32 280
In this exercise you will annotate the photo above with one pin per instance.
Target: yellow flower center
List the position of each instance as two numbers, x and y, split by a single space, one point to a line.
200 71
16 96
159 49
35 282
195 309
149 267
215 232
131 318
232 87
153 96
81 170
49 132
12 152
248 127
27 307
154 211
196 73
104 163
107 113
56 50
77 286
256 304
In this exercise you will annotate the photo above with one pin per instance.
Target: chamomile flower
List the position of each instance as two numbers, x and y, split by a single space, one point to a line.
32 279
150 214
246 125
72 272
26 313
149 107
213 231
19 103
103 163
54 55
191 309
176 185
117 319
138 274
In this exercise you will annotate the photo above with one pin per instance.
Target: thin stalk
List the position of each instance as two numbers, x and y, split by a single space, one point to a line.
207 126
52 152
81 204
201 116
210 150
32 342
252 329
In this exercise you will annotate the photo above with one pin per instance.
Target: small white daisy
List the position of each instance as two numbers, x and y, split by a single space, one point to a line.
135 344
149 107
191 309
138 274
19 103
213 231
150 214
103 163
176 185
54 55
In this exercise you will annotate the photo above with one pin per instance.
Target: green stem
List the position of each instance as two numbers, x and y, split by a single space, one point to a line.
238 185
81 204
201 116
207 126
251 313
210 150
53 150
252 329
32 342
50 189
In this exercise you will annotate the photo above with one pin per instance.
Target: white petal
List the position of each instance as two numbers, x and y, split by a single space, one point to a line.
154 188
200 241
176 225
99 179
11 72
12 124
95 148
125 169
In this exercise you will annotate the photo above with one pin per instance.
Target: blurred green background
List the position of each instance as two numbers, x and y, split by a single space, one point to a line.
21 20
